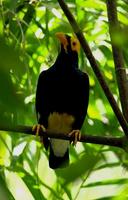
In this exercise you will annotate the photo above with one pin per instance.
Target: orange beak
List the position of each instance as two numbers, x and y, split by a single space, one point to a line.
63 40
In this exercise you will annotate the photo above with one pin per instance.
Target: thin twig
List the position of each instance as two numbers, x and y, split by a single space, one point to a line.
94 66
114 29
103 140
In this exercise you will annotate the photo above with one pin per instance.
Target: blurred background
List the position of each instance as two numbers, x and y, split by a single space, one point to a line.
27 46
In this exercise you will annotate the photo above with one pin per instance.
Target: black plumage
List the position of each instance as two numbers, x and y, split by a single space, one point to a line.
62 89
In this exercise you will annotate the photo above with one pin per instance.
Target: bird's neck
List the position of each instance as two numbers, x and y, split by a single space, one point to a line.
66 62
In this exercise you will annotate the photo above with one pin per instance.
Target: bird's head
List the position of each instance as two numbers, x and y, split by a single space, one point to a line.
68 44
70 47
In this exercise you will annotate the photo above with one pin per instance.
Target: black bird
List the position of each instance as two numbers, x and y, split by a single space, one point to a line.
62 99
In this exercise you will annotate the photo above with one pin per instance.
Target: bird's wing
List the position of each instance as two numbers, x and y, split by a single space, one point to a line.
41 105
41 100
81 108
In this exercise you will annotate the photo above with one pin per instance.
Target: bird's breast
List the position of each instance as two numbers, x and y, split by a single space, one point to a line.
63 94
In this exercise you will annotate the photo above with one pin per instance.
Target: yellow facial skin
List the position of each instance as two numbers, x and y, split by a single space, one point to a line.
75 45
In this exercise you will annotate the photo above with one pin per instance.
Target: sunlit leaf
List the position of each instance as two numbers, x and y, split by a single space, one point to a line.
107 182
4 191
76 170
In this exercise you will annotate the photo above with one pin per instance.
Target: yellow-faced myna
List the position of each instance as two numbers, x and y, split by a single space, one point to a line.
62 100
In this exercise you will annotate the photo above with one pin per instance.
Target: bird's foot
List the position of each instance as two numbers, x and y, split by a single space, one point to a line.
43 138
37 128
76 135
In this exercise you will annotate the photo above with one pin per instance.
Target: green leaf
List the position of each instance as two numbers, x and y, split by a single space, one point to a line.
107 182
4 191
79 168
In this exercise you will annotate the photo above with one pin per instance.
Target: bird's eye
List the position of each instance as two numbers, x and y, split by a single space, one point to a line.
74 43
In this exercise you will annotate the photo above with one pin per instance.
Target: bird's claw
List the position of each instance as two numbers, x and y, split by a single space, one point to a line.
37 129
76 134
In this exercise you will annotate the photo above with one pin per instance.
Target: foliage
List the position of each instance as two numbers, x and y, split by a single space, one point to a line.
27 46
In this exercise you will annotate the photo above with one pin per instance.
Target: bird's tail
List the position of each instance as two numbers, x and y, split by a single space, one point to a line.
57 161
59 149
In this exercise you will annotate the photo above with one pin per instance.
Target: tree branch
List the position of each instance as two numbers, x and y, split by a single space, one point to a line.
106 140
114 30
94 66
